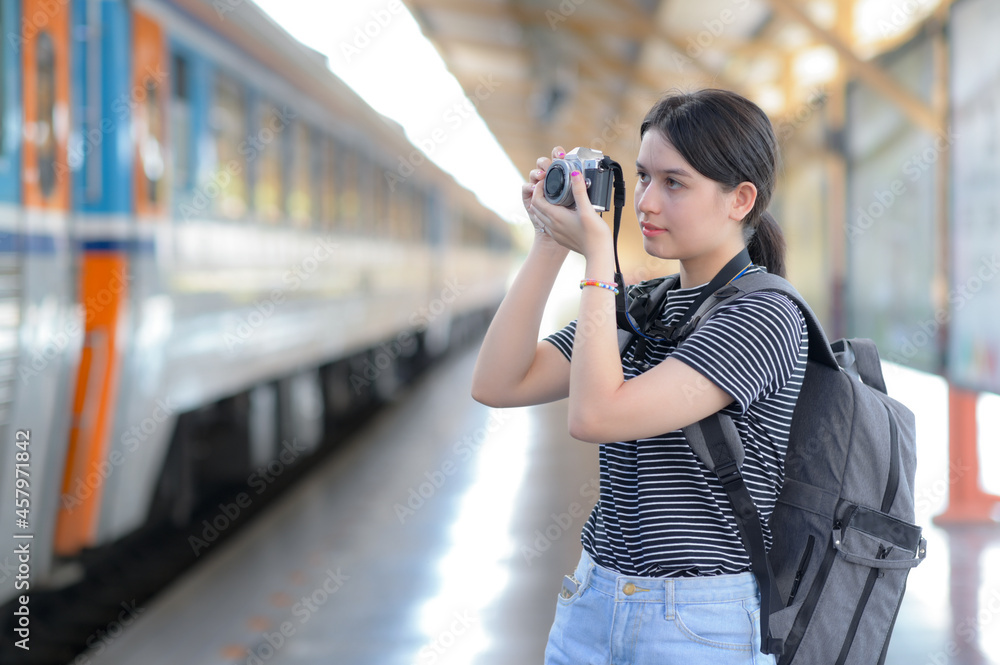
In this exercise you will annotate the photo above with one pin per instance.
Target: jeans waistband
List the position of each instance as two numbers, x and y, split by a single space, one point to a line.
680 590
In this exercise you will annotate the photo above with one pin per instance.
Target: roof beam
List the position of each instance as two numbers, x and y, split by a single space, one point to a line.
919 112
652 30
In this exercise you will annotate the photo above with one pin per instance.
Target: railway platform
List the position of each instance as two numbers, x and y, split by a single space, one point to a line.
441 532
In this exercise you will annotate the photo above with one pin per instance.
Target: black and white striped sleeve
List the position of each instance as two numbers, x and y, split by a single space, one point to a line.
563 339
748 348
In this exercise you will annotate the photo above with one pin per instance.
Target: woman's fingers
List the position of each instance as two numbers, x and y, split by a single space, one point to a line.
531 194
538 174
527 191
579 185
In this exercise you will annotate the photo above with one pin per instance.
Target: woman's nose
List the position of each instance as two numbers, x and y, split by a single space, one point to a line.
647 202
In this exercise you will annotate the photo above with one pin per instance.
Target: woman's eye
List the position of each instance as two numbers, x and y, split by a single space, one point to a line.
643 178
673 184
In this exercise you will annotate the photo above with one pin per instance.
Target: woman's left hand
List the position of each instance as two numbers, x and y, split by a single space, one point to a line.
581 229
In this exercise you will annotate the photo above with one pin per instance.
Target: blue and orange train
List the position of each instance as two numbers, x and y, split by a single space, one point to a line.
197 217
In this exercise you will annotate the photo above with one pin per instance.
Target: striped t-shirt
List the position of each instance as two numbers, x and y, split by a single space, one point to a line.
661 512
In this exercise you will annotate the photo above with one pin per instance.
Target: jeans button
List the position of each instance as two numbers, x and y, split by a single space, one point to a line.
628 589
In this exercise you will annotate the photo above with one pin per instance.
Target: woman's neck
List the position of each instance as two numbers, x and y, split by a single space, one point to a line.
700 270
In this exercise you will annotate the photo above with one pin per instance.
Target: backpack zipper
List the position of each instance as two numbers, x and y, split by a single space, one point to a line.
892 482
866 595
802 569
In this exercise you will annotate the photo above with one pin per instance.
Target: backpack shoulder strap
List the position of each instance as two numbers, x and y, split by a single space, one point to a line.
819 344
860 358
716 439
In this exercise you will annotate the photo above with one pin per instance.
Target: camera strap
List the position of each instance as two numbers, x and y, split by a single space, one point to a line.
648 312
621 300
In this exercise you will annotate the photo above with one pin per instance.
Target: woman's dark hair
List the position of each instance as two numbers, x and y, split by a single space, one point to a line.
729 139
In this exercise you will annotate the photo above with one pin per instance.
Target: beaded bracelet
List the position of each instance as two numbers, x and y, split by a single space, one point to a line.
610 286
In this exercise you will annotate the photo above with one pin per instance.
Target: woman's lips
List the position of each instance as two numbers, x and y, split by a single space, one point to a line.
650 231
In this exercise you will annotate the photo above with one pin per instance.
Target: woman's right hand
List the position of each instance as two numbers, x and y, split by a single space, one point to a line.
536 177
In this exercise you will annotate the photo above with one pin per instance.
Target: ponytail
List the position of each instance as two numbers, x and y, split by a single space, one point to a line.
767 245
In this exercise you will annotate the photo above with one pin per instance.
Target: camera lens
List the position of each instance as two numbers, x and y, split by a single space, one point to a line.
558 189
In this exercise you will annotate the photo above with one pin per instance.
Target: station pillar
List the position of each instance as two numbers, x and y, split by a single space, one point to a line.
967 502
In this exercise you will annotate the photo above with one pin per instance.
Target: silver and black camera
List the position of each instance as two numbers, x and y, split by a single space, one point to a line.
596 172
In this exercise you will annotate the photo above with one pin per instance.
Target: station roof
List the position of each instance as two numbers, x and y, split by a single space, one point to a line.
584 72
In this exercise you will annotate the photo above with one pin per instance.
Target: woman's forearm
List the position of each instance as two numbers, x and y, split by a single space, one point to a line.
596 372
508 349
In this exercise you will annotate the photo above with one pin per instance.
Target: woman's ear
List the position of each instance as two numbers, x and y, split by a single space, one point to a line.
742 198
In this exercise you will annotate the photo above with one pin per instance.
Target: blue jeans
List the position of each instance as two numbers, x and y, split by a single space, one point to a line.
614 619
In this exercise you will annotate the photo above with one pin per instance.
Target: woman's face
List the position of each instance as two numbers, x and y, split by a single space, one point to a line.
682 214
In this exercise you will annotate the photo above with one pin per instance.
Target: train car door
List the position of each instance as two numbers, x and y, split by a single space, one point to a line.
50 325
104 230
144 416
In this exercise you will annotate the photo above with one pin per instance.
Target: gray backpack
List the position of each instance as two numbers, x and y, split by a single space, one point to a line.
843 534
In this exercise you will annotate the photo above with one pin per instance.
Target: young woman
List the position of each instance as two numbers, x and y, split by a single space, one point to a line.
663 577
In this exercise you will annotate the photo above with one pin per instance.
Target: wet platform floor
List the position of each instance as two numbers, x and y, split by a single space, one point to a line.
441 532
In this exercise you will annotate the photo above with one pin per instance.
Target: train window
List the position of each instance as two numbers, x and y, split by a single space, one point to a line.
228 121
44 129
381 224
416 222
393 222
301 183
151 146
180 116
403 219
328 184
367 221
269 188
350 199
420 208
